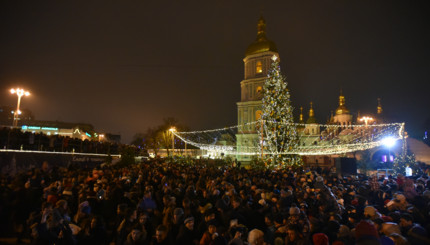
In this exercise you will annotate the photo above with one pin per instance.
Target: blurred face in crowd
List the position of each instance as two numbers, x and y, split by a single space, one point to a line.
190 225
135 234
235 204
212 229
291 235
267 221
143 218
160 235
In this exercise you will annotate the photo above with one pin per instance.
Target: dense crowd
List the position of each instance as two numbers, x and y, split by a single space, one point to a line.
165 203
18 140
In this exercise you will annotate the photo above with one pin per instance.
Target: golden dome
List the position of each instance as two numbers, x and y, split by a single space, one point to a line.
261 44
342 108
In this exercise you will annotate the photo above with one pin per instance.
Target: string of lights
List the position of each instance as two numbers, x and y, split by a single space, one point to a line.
330 139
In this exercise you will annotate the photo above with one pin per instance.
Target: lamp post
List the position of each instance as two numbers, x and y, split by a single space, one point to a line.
366 120
19 92
172 130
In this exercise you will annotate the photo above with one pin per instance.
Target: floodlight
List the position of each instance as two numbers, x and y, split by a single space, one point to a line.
389 141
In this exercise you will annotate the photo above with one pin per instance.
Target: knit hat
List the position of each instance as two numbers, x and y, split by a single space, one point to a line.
320 239
189 219
366 230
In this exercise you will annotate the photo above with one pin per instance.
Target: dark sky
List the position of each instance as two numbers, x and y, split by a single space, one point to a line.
123 66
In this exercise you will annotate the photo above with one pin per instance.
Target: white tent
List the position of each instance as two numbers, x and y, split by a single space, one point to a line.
420 149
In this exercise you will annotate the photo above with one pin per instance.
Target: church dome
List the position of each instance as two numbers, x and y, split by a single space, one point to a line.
341 110
261 44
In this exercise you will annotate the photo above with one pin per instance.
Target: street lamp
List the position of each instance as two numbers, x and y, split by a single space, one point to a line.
366 120
172 130
19 92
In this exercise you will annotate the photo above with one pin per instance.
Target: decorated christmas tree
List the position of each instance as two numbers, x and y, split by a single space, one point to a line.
405 161
280 134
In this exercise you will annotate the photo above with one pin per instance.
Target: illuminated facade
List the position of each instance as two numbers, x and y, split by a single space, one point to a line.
257 64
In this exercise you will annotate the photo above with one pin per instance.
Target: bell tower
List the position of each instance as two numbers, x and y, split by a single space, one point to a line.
257 63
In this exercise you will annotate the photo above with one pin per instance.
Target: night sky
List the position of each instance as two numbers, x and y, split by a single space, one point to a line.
123 66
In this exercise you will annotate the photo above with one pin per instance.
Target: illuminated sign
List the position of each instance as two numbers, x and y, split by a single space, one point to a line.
25 127
49 128
89 135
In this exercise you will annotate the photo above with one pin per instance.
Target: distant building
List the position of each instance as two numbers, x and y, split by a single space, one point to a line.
27 123
82 131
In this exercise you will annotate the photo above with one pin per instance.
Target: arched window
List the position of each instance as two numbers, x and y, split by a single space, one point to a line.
259 67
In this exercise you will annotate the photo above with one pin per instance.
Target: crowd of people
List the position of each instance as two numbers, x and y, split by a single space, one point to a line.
16 139
168 203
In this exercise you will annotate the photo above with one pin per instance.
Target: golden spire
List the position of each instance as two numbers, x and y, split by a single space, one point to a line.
301 114
341 99
379 108
311 118
311 111
261 29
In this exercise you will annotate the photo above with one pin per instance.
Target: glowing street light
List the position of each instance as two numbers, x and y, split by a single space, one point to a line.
366 120
389 142
172 130
19 92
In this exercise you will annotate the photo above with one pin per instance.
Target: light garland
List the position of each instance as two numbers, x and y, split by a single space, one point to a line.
329 142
